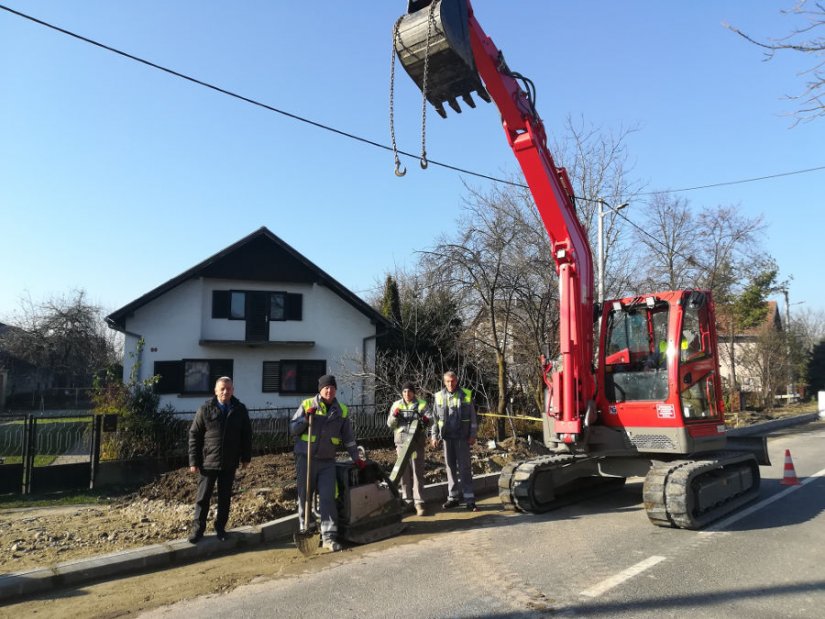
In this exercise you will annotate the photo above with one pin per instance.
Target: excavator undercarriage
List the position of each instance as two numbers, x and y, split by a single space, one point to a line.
685 493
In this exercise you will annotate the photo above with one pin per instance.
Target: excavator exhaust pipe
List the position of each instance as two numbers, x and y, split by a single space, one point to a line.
433 45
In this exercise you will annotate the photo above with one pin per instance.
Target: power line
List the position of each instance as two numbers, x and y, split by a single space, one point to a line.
739 182
249 100
347 134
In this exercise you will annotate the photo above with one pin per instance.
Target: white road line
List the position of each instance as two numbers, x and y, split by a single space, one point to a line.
621 577
747 512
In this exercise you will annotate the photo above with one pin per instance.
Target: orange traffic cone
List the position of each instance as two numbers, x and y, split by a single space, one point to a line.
789 479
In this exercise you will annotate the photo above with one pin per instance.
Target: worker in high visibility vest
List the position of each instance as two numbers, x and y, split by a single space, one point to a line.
331 429
402 414
456 426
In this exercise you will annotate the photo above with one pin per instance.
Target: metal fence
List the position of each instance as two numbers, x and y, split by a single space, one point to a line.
270 428
62 398
44 454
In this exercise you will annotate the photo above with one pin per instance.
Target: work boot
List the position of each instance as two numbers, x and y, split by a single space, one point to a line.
196 535
471 507
332 545
450 504
221 534
420 510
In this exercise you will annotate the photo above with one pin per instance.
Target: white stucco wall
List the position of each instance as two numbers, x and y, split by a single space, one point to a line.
173 325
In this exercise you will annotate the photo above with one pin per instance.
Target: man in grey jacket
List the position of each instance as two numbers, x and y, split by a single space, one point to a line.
456 425
220 438
331 429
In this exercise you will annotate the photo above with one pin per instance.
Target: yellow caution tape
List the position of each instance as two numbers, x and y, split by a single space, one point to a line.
510 416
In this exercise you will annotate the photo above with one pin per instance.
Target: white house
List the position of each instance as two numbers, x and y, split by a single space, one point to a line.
257 311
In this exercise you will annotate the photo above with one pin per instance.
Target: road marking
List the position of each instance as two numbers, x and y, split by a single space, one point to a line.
747 512
614 581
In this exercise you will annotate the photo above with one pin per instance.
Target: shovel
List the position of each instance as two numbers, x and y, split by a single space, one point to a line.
306 540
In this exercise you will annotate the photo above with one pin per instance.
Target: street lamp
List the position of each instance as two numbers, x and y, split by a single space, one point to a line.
600 260
790 389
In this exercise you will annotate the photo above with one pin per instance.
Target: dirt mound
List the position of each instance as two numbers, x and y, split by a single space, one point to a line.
162 510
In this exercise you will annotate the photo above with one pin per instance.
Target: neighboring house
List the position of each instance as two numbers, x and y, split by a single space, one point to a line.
749 374
257 311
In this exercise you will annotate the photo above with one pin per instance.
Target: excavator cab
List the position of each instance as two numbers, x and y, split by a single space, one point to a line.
658 371
432 41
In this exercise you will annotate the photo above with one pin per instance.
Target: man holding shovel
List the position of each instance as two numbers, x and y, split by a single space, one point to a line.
320 425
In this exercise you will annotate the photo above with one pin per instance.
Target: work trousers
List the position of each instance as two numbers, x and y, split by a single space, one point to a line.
412 480
459 471
322 481
206 485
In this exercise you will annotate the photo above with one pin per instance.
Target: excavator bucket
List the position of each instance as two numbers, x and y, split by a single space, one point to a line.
433 45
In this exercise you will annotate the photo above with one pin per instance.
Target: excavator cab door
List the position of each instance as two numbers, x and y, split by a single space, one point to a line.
432 42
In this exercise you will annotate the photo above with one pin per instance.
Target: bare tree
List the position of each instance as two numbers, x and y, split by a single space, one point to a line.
802 39
64 338
766 360
730 251
806 332
668 238
477 263
597 162
809 325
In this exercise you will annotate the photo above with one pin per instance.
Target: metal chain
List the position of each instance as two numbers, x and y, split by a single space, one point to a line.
430 22
399 170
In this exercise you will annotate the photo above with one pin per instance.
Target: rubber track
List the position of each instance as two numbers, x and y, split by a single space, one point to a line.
668 487
515 484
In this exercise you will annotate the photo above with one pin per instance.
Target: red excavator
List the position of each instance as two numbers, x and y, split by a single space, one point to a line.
653 404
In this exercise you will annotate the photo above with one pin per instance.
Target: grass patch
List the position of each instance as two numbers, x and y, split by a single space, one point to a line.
38 460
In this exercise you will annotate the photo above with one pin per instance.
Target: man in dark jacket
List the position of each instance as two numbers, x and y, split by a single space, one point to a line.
220 438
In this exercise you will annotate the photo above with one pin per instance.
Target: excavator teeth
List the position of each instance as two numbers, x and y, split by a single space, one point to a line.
469 100
454 104
439 107
483 95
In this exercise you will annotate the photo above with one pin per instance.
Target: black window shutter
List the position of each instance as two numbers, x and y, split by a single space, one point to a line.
219 368
271 377
220 304
171 376
294 306
308 375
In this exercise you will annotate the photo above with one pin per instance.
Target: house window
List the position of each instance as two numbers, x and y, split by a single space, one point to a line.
237 305
190 376
292 376
196 377
277 306
231 304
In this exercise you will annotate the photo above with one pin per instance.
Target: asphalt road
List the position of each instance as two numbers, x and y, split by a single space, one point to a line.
599 558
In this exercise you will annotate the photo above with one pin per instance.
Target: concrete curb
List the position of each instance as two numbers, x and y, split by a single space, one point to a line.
764 428
160 556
